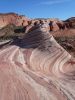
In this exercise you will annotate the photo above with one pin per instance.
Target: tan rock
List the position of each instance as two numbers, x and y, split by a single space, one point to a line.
12 18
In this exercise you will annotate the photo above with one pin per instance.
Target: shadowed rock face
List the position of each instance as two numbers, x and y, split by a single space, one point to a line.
41 70
37 36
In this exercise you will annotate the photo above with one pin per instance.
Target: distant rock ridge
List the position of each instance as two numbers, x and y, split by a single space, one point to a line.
13 18
20 20
55 24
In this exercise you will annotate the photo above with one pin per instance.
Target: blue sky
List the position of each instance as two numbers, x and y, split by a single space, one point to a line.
62 9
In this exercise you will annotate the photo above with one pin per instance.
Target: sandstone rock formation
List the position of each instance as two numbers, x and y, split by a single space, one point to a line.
38 69
55 24
13 25
70 22
19 20
12 18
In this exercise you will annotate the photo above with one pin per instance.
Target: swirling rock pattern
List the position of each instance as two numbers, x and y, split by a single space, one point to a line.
40 70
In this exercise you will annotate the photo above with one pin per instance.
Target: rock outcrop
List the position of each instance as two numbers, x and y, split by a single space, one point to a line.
55 24
19 20
70 23
37 68
12 18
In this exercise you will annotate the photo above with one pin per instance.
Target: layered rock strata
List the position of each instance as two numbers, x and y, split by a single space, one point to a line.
37 69
12 18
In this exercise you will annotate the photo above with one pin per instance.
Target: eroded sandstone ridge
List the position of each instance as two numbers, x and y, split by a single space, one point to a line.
13 18
36 68
55 24
20 20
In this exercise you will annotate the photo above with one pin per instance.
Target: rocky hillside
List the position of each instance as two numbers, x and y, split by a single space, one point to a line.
36 68
20 20
13 25
55 24
34 62
12 18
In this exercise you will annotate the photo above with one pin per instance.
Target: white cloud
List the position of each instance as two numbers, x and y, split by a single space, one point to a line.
51 2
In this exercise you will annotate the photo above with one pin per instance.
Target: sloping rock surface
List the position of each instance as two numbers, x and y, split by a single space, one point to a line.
37 68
